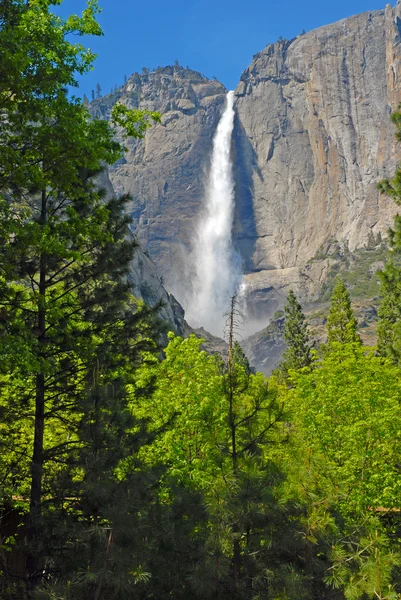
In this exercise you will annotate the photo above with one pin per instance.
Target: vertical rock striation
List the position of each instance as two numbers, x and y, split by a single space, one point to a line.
164 173
313 138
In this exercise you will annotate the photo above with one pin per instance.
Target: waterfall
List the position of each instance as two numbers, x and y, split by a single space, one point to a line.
215 265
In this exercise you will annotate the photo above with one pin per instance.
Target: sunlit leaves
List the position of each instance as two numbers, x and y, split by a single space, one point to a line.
348 413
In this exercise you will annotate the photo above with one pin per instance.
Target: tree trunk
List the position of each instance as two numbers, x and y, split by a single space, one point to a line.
236 561
32 563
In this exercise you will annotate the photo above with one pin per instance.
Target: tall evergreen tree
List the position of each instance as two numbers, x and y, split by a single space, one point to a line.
64 294
341 322
389 326
298 351
105 495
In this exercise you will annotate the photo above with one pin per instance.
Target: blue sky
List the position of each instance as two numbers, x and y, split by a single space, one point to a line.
215 37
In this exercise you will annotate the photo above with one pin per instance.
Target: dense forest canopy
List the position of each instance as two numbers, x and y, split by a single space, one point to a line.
130 473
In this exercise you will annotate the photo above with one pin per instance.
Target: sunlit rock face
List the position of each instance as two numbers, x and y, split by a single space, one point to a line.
313 138
165 172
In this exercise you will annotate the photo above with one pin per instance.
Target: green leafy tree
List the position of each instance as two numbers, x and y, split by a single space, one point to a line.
218 427
63 272
298 352
342 464
341 322
348 408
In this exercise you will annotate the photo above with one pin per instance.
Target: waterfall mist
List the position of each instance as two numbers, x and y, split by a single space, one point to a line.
215 266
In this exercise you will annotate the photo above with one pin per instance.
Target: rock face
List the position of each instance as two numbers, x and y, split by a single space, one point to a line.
264 349
164 173
147 285
312 140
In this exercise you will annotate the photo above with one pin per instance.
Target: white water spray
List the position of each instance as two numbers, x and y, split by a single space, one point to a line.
216 266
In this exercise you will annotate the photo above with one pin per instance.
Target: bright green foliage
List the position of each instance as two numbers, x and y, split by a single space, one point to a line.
180 478
64 294
365 565
348 411
190 394
298 352
343 465
47 139
220 450
341 323
389 325
133 121
240 358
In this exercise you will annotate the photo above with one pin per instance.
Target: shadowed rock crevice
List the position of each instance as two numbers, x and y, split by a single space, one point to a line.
244 228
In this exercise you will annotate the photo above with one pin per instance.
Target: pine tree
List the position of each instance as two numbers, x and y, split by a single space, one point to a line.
79 313
92 95
219 450
298 351
341 322
246 433
65 298
371 241
103 523
389 325
240 358
98 91
85 99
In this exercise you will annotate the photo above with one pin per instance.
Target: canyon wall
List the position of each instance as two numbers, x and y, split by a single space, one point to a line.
312 138
165 172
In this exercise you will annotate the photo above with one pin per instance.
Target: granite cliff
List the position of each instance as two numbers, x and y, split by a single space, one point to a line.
147 285
164 173
312 138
